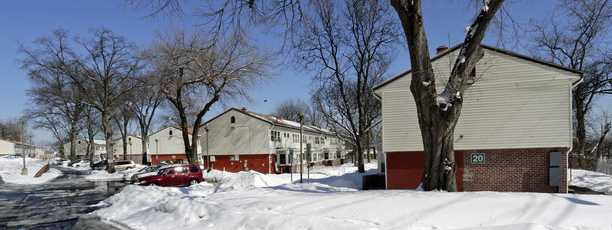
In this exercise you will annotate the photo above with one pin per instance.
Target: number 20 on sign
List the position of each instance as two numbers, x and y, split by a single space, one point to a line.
477 158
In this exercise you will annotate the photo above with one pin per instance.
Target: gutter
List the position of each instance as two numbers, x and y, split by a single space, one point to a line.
571 142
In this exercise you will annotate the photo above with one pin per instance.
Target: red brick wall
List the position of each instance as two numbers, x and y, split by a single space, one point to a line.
405 170
156 159
256 162
513 170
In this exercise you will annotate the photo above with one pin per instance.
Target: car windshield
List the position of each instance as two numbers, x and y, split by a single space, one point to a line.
162 171
122 162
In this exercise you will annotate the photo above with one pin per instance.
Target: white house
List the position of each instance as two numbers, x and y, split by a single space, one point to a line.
238 139
166 145
133 148
7 148
514 132
81 149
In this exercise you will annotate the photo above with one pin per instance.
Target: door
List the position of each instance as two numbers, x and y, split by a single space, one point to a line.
554 169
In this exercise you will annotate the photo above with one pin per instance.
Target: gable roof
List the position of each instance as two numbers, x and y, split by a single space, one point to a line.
495 49
273 120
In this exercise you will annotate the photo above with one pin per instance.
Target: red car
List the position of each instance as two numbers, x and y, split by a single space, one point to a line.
175 175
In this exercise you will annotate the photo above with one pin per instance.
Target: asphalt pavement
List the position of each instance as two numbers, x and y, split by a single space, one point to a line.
58 204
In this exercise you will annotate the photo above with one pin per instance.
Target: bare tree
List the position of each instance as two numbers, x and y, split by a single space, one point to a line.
122 121
144 104
42 117
597 138
438 113
53 92
10 129
349 46
291 110
197 73
100 68
577 37
91 128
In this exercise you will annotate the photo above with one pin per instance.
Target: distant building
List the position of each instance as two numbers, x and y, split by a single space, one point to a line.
7 148
238 140
514 132
134 148
166 146
81 149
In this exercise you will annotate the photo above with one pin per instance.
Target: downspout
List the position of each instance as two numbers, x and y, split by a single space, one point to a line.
268 139
384 157
571 142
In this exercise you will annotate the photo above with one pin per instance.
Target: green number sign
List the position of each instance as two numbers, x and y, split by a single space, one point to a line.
477 158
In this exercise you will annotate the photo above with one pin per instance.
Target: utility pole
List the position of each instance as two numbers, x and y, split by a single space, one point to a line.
301 115
24 170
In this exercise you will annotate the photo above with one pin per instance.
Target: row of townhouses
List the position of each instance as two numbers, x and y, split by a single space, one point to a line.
514 132
19 148
235 140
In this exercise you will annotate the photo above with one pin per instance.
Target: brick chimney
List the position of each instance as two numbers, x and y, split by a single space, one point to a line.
441 49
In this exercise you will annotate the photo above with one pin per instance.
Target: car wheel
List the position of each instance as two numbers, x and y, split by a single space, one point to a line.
193 182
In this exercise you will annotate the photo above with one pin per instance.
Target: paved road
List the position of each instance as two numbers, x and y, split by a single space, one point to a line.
54 205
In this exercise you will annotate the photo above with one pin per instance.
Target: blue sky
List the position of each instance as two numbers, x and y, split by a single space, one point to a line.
23 21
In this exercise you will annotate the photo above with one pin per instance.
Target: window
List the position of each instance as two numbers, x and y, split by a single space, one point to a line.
234 157
296 138
170 133
275 135
212 158
232 120
282 159
193 168
326 155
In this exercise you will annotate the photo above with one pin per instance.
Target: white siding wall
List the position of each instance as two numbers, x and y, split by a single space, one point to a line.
134 146
80 148
252 136
514 103
248 135
7 147
162 142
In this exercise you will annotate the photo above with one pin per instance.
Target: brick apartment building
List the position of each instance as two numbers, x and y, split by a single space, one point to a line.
514 133
239 140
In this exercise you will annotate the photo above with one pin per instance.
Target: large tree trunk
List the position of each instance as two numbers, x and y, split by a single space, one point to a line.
124 147
194 143
145 147
92 148
108 135
438 113
72 140
579 111
359 155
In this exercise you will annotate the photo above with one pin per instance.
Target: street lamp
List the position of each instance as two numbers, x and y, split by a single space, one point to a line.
301 116
24 170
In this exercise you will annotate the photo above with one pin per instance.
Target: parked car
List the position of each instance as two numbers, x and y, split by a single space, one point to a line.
81 164
147 171
124 165
100 165
177 175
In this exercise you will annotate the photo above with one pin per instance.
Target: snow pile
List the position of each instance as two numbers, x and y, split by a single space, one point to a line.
343 176
155 207
10 171
102 175
595 181
309 206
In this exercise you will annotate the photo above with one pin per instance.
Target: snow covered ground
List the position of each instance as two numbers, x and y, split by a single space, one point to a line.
10 171
102 175
595 181
250 200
